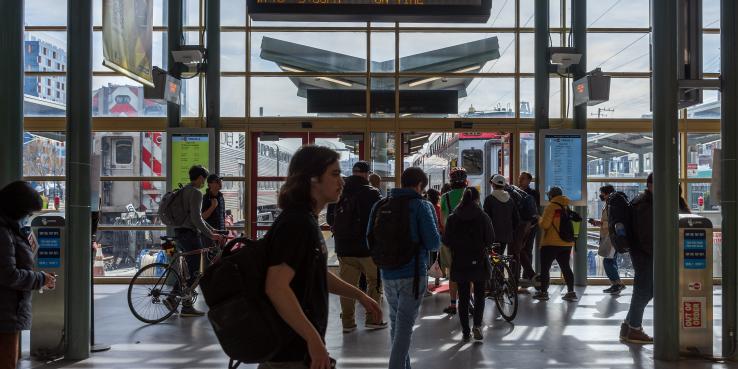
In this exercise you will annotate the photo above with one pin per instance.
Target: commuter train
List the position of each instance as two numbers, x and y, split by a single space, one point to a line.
482 155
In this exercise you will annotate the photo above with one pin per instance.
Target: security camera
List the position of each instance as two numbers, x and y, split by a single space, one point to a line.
564 57
188 56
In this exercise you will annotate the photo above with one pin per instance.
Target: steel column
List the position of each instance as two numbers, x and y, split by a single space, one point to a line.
11 90
666 165
78 259
212 96
541 37
579 29
729 174
174 38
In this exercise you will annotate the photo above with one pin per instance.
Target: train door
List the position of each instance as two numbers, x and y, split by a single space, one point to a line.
270 158
481 154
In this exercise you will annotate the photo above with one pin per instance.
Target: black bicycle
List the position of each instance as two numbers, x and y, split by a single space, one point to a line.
503 286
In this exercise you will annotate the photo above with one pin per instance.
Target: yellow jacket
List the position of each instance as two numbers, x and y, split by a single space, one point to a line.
550 222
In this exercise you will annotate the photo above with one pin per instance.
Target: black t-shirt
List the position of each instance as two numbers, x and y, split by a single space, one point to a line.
296 240
217 218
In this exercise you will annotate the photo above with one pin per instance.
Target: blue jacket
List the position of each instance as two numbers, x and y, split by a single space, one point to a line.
423 229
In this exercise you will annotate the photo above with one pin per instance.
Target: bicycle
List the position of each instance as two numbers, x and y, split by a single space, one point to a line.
503 285
154 283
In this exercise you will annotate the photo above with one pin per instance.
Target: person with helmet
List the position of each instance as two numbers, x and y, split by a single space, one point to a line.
449 201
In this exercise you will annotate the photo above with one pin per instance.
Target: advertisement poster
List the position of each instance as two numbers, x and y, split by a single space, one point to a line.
563 164
128 27
188 149
49 248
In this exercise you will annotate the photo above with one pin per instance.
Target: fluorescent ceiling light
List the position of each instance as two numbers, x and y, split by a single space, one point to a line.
615 149
648 138
329 79
431 79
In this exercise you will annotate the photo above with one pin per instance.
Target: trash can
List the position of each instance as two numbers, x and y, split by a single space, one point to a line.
695 284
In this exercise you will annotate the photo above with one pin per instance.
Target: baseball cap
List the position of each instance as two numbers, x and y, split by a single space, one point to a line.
213 178
498 179
361 166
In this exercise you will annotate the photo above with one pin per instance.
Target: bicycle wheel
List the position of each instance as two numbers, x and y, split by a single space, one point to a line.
506 294
148 290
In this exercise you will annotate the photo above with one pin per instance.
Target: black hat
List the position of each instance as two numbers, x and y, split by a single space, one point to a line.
213 178
361 166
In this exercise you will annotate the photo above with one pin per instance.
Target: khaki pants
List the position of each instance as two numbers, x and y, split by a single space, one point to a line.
350 270
9 349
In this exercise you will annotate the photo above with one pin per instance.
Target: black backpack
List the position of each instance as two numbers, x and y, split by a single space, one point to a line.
247 325
566 224
390 241
524 203
620 211
346 223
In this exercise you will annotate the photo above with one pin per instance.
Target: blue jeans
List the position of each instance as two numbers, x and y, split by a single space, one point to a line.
404 308
611 268
642 287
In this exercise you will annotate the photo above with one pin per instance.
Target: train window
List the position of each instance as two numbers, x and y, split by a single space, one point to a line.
124 151
472 161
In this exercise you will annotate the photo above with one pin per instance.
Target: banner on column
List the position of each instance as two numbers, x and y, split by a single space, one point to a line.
128 27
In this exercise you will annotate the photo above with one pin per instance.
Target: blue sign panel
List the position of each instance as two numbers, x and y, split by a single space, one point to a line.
695 249
49 248
563 164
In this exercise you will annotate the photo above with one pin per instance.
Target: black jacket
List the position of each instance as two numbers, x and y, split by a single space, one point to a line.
17 278
643 222
367 196
504 216
468 232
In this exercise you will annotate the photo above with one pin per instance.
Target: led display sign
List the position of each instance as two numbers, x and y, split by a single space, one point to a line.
466 11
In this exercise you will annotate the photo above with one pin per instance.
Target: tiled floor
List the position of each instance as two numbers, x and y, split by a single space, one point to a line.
552 334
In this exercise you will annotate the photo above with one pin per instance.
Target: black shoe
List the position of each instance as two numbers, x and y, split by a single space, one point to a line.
542 296
610 289
477 331
190 311
466 337
450 310
617 289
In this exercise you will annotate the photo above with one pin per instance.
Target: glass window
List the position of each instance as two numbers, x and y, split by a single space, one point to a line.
158 45
474 52
118 197
475 97
711 13
709 109
618 14
232 154
308 52
122 97
629 98
234 194
502 14
701 154
274 156
45 13
383 154
125 250
38 44
528 101
233 96
40 101
711 53
619 52
233 13
44 153
383 52
527 13
619 155
528 153
328 96
130 154
348 146
233 51
473 161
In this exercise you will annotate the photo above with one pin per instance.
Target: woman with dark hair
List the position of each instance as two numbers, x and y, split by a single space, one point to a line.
298 280
17 278
468 233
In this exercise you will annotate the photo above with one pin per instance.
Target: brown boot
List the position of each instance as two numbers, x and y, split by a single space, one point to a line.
636 335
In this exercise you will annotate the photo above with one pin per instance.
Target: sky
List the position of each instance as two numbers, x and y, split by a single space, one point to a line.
613 52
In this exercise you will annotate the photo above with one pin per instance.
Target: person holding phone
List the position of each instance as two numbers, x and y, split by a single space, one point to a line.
17 278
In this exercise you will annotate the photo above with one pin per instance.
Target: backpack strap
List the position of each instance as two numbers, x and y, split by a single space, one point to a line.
552 224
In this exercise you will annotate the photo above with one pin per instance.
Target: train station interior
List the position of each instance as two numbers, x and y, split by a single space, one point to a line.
106 104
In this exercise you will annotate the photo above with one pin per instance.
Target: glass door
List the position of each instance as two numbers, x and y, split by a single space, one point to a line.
270 163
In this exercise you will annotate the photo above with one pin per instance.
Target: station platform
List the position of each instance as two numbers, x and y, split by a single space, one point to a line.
553 334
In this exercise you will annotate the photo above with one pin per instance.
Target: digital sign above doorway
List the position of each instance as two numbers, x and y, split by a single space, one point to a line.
413 11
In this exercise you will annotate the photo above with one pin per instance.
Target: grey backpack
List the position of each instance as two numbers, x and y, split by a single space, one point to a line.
172 212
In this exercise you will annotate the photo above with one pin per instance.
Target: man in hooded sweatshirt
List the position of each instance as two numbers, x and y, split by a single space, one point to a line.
500 208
